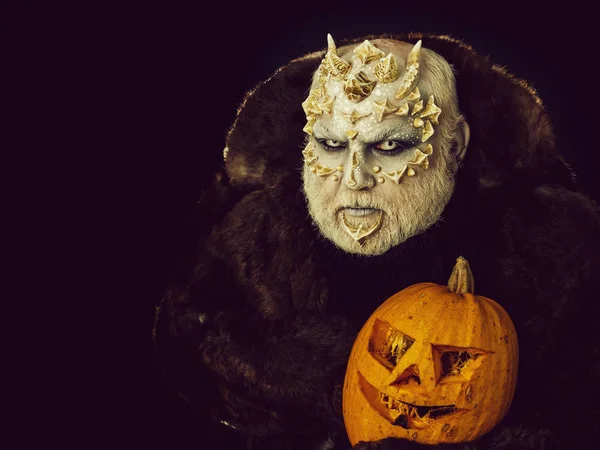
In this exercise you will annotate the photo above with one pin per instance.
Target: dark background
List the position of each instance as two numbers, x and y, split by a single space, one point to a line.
138 98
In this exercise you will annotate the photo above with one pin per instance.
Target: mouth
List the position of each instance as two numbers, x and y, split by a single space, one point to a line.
403 414
359 212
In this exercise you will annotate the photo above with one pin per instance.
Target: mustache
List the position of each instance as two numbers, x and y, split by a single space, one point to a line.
359 200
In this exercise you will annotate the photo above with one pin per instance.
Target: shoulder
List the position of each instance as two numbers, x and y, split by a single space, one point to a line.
555 234
554 211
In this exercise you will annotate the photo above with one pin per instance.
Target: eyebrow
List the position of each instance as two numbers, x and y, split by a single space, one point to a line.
379 137
322 129
383 135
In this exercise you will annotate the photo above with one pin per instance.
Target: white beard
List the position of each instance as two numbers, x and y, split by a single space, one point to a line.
415 207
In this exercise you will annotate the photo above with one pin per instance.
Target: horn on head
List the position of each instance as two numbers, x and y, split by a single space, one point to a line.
411 73
337 67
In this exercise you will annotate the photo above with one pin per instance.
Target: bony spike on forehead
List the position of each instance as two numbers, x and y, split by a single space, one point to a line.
387 70
411 73
326 105
367 52
354 116
383 108
414 95
358 87
352 133
331 48
311 107
413 56
402 110
431 111
336 66
322 75
316 93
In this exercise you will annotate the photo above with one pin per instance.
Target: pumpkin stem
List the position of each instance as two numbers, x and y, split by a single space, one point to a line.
461 280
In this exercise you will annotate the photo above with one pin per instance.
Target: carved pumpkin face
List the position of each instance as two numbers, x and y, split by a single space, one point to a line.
431 365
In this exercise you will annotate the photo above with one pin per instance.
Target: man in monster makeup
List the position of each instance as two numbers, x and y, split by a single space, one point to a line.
349 175
377 179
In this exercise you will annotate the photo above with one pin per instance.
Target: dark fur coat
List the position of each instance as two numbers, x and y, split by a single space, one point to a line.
256 328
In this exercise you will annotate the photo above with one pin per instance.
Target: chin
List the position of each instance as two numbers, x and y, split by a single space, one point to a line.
377 243
387 235
395 228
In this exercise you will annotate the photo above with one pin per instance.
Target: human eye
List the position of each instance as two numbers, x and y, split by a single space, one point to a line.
390 147
332 144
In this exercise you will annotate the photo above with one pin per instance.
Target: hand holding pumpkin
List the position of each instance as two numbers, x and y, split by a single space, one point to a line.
434 364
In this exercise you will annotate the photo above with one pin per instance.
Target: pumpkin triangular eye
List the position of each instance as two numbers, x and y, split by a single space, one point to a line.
387 345
456 364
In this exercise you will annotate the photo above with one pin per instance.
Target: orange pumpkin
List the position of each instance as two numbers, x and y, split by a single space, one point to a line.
434 364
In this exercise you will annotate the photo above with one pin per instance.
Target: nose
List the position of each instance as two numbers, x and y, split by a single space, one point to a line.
408 377
357 177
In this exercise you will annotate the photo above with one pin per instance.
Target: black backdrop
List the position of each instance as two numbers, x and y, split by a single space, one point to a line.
143 94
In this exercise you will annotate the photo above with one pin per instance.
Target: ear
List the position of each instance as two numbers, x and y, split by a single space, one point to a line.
461 140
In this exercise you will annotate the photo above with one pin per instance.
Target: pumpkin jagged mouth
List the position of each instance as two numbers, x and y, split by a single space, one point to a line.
405 415
414 416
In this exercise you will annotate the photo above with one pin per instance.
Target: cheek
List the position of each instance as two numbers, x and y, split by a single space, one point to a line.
437 158
392 191
321 192
328 189
402 195
331 159
389 163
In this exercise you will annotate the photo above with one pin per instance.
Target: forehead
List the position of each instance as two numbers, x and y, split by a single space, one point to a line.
369 124
370 127
381 91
